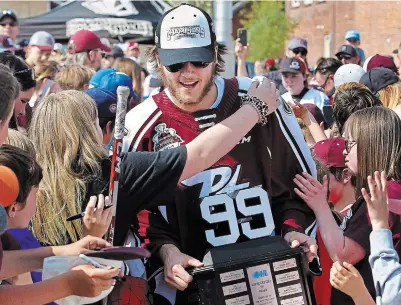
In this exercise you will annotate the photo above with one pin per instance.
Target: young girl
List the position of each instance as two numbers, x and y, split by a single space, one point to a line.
373 142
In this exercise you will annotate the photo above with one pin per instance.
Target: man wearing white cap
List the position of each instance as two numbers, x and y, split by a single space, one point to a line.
39 49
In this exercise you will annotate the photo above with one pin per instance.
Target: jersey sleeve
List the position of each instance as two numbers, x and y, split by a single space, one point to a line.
147 180
290 155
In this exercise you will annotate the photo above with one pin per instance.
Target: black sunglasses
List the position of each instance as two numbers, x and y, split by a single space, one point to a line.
177 67
340 57
11 23
301 51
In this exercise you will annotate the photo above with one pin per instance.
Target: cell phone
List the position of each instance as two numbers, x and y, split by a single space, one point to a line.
243 36
328 115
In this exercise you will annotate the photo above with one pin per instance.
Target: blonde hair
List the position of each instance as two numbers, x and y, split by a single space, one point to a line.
74 77
390 96
46 70
69 150
18 139
133 70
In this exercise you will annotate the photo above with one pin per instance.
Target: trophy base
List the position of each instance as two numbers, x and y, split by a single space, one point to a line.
264 271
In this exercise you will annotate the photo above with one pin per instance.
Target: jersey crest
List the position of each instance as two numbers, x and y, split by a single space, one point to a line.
165 138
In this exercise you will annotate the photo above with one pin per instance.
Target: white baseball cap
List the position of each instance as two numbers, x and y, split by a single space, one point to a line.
348 73
184 34
43 40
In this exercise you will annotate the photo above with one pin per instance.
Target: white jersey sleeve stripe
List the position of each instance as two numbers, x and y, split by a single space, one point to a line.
135 121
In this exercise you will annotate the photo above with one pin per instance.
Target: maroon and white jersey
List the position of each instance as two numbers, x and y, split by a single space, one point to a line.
247 194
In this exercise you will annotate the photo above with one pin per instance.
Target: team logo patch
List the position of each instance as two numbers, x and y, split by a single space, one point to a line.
165 138
179 32
113 108
294 65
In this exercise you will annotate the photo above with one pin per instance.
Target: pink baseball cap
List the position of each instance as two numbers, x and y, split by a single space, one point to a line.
43 40
330 152
133 45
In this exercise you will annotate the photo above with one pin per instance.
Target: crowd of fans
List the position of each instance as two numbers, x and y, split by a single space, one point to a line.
57 117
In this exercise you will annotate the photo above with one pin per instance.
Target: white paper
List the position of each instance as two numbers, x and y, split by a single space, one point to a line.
56 265
287 277
262 286
232 276
285 264
243 300
294 301
234 288
287 290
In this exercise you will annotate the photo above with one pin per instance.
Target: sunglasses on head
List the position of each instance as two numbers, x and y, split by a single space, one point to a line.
177 67
301 51
11 23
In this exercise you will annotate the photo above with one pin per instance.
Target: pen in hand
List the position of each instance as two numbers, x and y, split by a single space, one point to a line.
81 215
97 265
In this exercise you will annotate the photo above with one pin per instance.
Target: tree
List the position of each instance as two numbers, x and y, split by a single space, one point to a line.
268 28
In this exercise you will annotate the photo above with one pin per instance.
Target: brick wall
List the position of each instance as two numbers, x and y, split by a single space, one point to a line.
379 23
25 9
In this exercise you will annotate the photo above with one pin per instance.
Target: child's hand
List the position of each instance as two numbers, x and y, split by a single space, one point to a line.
312 191
347 279
376 201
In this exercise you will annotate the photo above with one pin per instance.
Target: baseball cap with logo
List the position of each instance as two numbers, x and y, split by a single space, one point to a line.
105 100
330 152
185 34
297 42
293 65
347 50
352 34
85 40
7 43
348 73
379 78
111 81
43 40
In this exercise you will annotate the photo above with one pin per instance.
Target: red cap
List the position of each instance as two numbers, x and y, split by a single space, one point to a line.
133 45
9 186
85 40
270 62
381 61
330 152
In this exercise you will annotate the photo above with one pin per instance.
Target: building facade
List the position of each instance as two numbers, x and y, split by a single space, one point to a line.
25 9
324 24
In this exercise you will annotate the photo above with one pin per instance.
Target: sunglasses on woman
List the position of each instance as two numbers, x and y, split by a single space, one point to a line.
348 145
301 51
10 23
177 67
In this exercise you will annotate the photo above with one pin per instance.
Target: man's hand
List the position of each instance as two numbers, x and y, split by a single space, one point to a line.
240 50
84 245
312 191
175 263
266 91
296 239
88 281
377 201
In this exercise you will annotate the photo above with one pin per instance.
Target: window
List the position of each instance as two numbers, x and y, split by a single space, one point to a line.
295 3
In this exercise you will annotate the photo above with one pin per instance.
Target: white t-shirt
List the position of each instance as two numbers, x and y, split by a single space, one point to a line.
313 96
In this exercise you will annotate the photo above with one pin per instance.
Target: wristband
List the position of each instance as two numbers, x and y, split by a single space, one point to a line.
261 107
